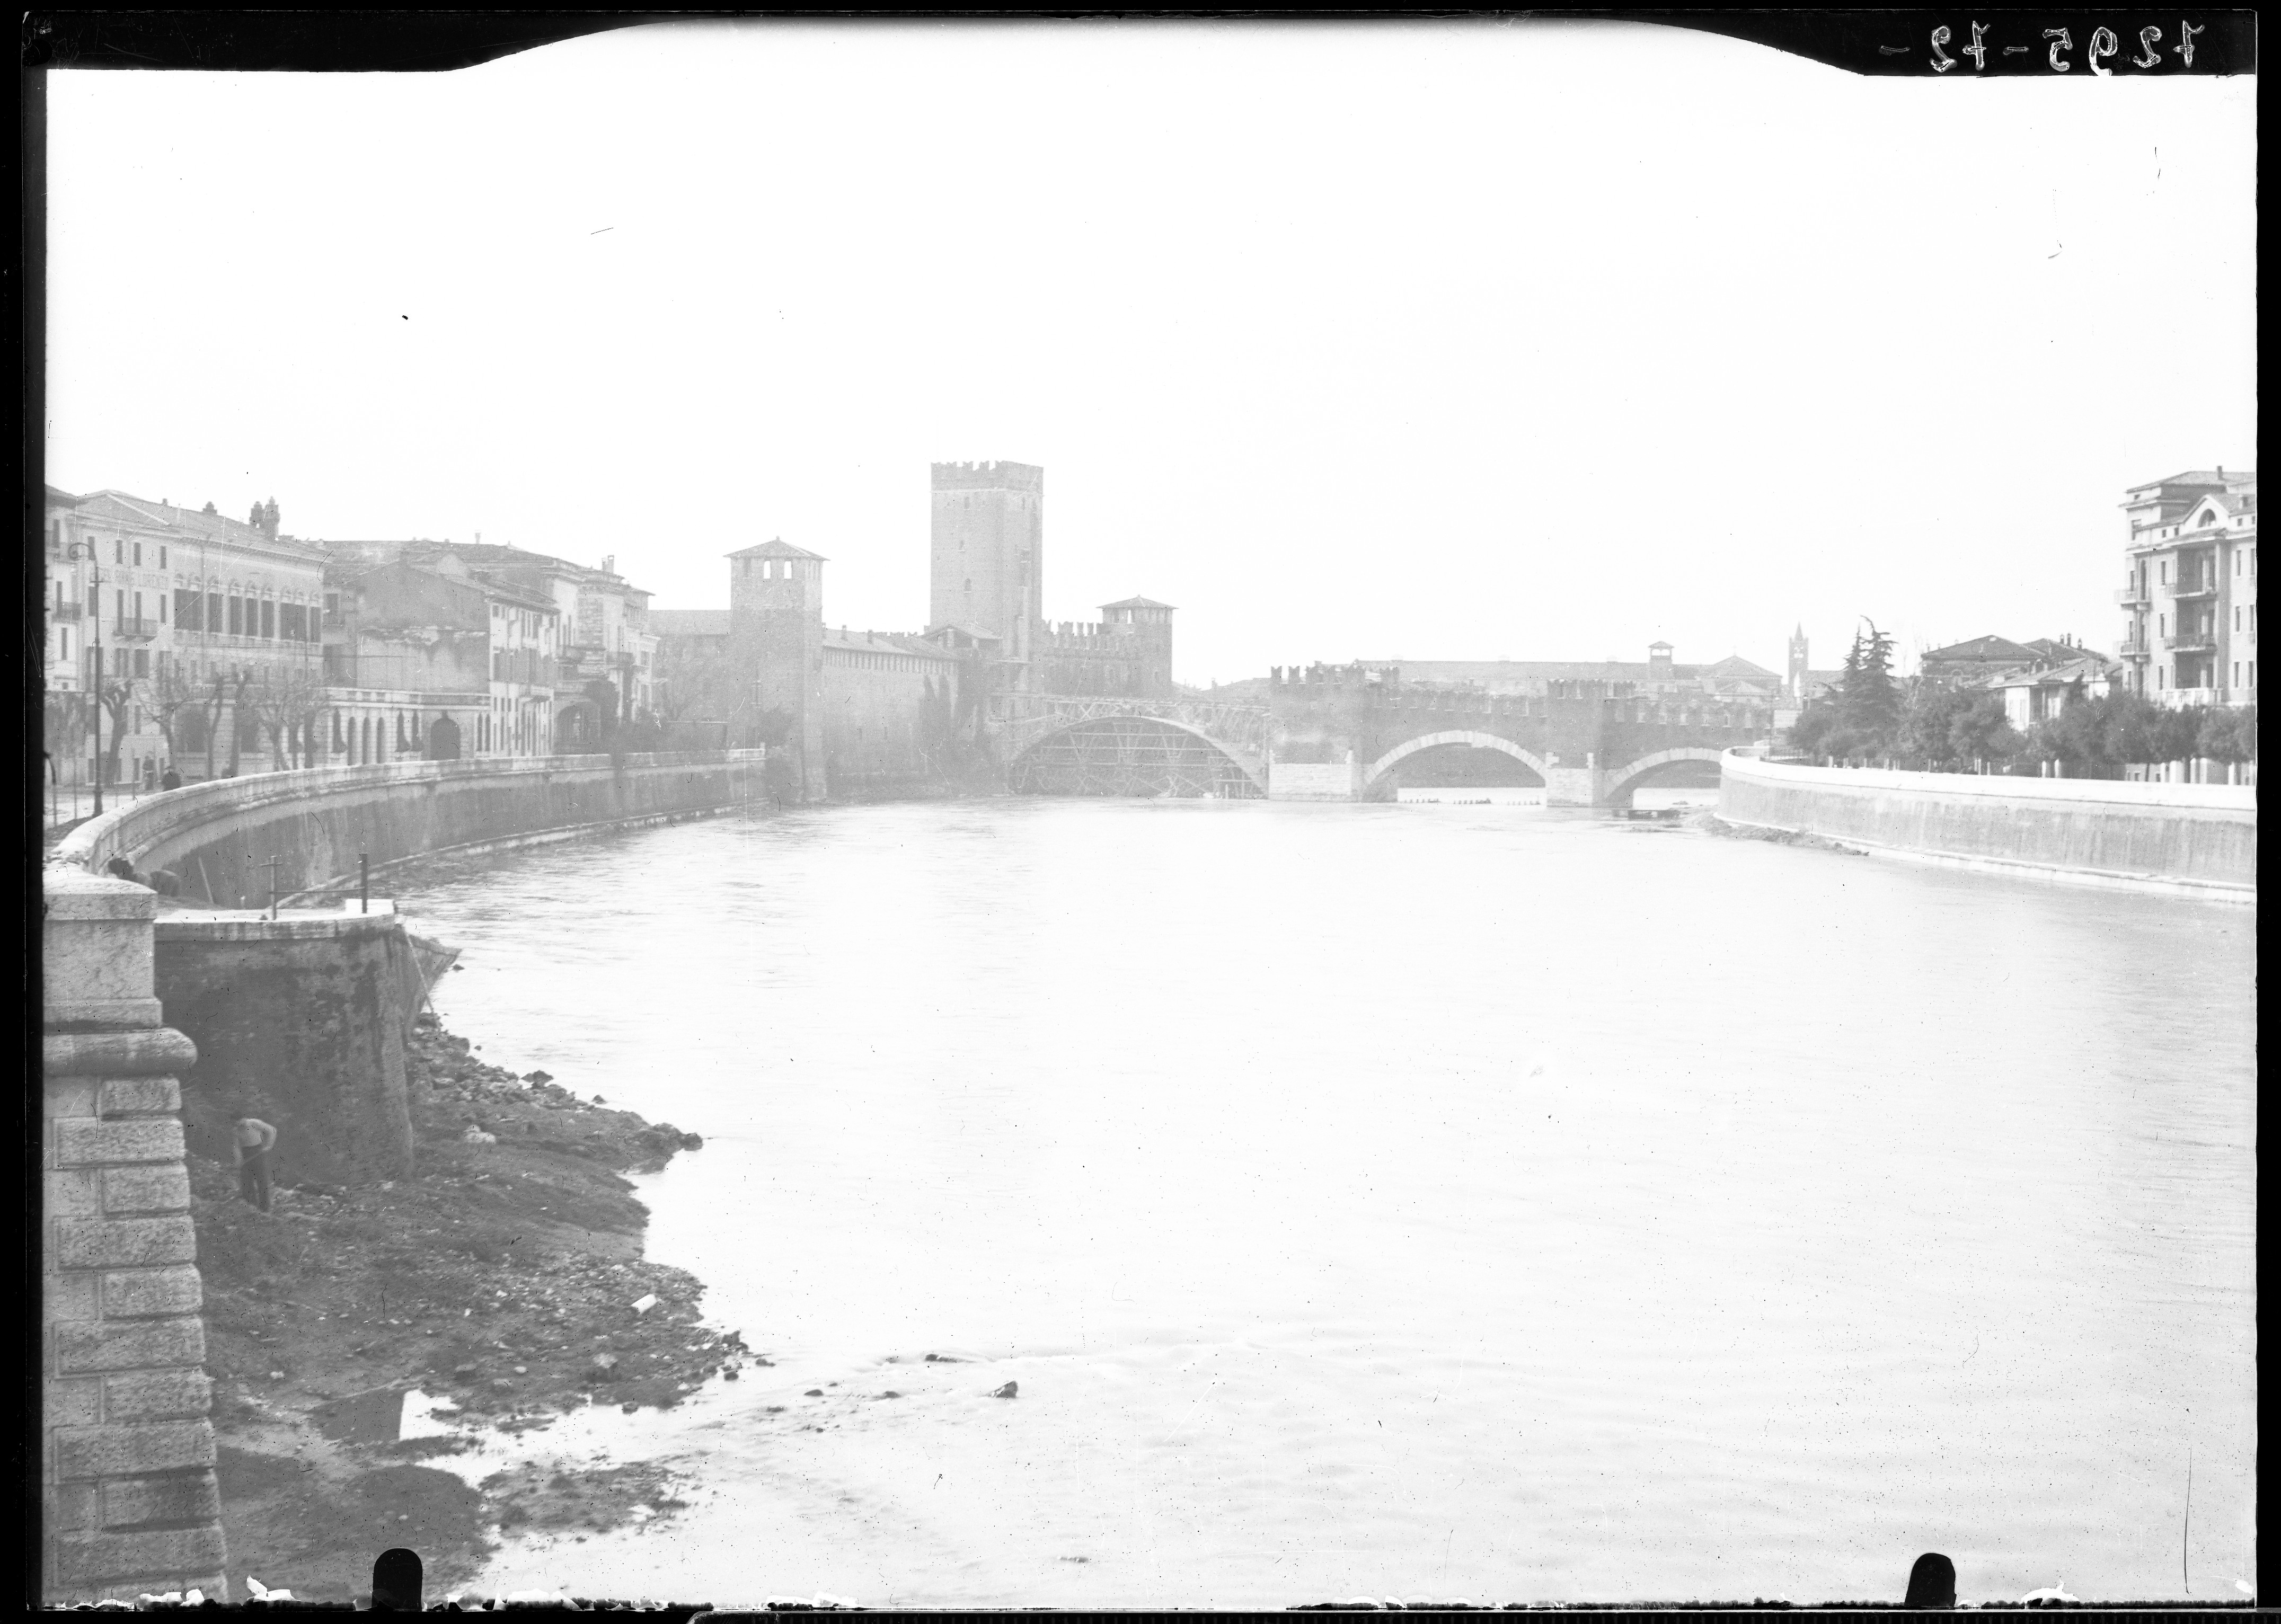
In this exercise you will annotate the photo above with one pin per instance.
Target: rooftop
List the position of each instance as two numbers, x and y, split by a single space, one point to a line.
1136 603
776 547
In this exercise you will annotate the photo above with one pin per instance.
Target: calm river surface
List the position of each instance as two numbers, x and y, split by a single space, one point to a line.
1462 1202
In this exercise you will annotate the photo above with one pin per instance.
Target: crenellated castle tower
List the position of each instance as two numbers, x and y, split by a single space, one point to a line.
986 558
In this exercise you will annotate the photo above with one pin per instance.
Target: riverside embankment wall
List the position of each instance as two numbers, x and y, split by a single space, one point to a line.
301 1021
2199 838
220 836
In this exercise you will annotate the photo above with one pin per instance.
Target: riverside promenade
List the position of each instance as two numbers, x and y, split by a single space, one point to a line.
2197 840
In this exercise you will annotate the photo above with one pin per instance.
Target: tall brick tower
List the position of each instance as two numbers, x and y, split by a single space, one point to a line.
1794 680
776 633
1145 625
987 562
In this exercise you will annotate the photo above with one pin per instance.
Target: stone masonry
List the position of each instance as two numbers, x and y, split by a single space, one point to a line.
127 1450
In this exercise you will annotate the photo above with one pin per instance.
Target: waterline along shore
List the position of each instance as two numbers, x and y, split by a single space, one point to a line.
502 1279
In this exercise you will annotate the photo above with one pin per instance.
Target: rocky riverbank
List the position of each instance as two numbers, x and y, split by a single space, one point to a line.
506 1277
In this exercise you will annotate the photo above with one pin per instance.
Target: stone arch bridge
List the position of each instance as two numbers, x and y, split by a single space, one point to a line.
1094 745
1343 733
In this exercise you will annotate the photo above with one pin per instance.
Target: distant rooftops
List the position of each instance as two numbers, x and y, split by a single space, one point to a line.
1136 603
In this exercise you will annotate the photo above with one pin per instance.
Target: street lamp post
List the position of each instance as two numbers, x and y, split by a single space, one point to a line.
86 550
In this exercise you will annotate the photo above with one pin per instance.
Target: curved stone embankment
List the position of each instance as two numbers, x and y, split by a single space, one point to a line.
220 836
2194 839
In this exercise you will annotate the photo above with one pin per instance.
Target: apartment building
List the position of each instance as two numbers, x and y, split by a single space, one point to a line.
209 629
2189 589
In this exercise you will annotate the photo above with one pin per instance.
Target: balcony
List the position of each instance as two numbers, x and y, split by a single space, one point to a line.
2201 642
2132 597
2133 648
2202 585
66 612
134 629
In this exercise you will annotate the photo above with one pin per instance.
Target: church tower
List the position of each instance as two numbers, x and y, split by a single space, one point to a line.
987 562
1794 679
776 634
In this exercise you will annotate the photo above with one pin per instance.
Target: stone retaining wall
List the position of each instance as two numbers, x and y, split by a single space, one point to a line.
2196 838
220 836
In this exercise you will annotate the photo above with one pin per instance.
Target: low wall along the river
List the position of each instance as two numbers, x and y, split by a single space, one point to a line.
2199 838
220 836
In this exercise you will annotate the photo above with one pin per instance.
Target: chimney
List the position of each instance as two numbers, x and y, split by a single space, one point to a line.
609 559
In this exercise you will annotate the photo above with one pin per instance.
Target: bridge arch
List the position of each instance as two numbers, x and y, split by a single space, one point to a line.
1409 748
1627 777
1113 754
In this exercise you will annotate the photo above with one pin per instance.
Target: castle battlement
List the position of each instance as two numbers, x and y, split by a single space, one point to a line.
986 476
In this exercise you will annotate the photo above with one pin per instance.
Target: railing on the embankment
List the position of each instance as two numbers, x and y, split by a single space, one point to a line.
2197 838
319 820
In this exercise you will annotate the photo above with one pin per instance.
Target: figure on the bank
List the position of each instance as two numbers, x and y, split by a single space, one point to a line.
254 1140
170 779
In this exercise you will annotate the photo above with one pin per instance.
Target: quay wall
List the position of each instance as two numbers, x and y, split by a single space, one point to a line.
302 1021
2197 838
219 836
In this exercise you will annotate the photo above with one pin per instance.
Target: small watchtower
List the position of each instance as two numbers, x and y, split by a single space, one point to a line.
776 633
1147 625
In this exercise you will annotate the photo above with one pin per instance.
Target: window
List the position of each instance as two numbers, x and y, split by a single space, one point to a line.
138 555
65 633
970 585
162 607
2166 571
268 619
162 558
117 551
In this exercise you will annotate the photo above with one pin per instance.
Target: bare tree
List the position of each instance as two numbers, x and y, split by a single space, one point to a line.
174 701
286 701
118 698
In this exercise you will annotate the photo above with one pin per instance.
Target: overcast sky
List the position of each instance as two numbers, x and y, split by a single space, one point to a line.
1460 341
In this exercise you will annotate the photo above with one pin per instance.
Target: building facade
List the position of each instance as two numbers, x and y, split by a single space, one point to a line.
2189 589
210 631
408 665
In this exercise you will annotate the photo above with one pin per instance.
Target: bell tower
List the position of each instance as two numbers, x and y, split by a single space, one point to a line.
1794 679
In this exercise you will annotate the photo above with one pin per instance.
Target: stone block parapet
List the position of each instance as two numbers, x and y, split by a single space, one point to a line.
129 1498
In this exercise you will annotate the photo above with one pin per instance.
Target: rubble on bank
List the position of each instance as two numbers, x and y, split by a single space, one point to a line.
502 1279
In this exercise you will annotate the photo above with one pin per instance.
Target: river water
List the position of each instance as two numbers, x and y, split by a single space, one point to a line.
1418 1200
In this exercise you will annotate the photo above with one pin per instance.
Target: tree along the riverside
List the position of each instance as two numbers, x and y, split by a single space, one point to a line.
1949 729
2099 738
1860 719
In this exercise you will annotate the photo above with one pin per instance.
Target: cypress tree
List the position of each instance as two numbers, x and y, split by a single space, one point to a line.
1869 697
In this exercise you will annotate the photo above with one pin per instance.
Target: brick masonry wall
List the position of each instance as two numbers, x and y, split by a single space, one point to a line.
126 1451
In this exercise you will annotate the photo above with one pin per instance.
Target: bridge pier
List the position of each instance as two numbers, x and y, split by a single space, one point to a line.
1578 787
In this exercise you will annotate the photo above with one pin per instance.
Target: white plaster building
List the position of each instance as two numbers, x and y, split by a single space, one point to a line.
2189 589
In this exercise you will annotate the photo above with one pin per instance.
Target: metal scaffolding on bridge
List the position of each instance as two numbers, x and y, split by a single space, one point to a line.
1128 755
